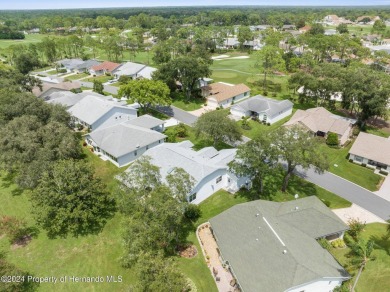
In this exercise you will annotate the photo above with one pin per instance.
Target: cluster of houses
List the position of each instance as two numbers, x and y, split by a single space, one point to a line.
97 68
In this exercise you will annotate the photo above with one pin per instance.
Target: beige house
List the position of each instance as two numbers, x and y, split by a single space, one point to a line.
320 122
371 150
223 94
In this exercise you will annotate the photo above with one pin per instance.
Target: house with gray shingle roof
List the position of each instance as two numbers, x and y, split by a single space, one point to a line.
69 64
123 143
265 109
85 66
134 71
271 246
208 167
96 112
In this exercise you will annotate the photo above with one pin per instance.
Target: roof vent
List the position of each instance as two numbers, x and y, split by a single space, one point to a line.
257 239
137 146
284 251
257 215
296 208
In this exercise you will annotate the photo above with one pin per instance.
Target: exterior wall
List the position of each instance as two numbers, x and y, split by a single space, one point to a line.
321 285
113 117
239 112
344 138
362 160
282 115
211 101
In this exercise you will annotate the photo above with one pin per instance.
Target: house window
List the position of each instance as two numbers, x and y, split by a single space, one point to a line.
358 158
192 197
135 153
245 93
219 179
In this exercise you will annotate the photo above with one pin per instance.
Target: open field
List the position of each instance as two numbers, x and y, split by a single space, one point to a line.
30 39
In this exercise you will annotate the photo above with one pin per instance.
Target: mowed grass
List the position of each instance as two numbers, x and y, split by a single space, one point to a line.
102 79
180 100
29 39
340 165
258 129
77 76
376 275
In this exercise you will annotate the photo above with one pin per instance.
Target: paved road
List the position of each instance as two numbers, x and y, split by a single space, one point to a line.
178 114
108 88
349 191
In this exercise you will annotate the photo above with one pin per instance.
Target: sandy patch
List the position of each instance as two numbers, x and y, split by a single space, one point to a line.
240 57
357 212
220 57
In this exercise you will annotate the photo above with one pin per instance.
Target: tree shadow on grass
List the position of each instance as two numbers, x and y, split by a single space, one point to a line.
381 243
8 180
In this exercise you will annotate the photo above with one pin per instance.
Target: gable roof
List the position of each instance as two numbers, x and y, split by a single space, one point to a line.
146 72
106 65
88 64
124 138
261 104
198 164
129 69
68 85
271 246
372 147
223 91
91 108
320 119
70 64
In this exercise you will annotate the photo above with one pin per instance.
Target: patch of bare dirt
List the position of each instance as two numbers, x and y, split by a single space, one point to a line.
21 242
188 251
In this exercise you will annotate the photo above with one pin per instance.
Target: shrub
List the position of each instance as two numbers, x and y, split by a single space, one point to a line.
350 160
62 71
85 144
205 104
171 136
332 139
108 74
324 243
181 131
338 243
274 94
383 172
192 212
355 131
123 79
268 124
363 164
355 228
13 227
265 93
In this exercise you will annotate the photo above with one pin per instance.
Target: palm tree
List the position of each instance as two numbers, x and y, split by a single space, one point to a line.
362 251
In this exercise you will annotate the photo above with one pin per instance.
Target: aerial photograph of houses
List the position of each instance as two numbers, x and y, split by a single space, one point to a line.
195 146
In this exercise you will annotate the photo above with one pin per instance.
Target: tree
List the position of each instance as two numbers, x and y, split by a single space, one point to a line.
342 28
244 34
255 160
332 139
186 69
217 126
181 183
300 23
26 62
268 60
362 255
146 92
156 273
98 87
379 26
71 200
297 147
317 28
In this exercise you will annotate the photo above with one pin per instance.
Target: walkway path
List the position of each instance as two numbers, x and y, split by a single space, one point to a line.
349 191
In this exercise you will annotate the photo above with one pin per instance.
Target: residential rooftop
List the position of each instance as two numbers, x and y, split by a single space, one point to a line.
223 91
372 147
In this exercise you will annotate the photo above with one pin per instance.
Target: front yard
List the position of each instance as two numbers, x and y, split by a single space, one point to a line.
78 76
102 79
180 100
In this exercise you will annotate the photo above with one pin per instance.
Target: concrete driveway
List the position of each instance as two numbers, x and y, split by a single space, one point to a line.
178 114
349 191
108 88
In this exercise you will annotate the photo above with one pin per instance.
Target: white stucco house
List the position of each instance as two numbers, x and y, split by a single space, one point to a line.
207 166
95 112
371 150
265 109
123 143
321 122
134 71
272 246
222 94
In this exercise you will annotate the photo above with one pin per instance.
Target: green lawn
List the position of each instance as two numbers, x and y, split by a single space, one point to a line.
52 72
77 76
102 78
377 131
180 101
376 275
30 39
360 175
257 128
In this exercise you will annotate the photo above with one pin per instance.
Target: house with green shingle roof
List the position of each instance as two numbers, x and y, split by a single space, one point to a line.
272 246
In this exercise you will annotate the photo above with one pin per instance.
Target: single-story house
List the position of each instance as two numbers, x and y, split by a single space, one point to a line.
371 150
223 94
304 29
69 99
271 246
320 122
134 71
86 66
288 27
69 64
208 167
95 112
50 87
104 68
265 109
123 143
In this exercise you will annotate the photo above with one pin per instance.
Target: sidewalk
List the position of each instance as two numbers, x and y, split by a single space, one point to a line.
384 191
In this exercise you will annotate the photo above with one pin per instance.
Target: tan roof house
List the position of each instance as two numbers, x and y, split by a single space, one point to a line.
224 94
306 28
51 87
320 122
371 150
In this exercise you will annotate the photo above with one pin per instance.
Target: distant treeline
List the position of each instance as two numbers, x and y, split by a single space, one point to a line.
11 35
207 16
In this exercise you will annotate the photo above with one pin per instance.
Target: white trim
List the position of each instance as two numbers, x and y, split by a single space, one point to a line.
269 225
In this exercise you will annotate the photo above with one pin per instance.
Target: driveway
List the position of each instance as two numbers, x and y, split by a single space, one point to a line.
178 114
349 191
384 191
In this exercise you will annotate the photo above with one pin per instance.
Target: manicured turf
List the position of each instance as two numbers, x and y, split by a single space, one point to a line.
102 79
376 275
180 100
30 39
257 128
77 76
360 175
